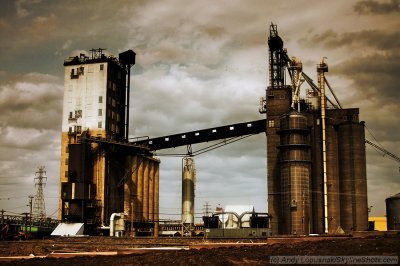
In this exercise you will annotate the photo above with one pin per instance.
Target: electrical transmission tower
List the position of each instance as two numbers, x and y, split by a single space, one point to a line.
39 208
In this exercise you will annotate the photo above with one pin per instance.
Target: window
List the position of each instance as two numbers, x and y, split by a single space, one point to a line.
73 74
100 99
100 112
66 174
101 67
81 70
99 125
66 161
113 102
271 123
78 113
70 114
66 149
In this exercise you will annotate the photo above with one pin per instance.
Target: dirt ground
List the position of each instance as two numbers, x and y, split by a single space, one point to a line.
199 253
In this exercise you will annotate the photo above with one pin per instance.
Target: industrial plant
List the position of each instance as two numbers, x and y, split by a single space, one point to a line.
316 162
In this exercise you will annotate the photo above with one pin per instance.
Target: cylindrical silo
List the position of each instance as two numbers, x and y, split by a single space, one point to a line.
393 212
317 181
360 177
145 208
353 181
332 176
188 186
295 173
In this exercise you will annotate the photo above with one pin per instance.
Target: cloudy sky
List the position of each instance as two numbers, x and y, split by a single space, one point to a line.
199 64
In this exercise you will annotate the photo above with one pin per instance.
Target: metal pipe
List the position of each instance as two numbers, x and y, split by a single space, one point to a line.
112 219
333 93
128 88
322 68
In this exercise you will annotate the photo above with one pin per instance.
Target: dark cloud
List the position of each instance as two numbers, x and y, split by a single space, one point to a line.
374 75
378 39
31 101
377 7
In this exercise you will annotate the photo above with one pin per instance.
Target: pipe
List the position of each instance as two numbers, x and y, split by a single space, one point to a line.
112 224
322 68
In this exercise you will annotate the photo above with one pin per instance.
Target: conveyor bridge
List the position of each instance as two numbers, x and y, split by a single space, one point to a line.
204 135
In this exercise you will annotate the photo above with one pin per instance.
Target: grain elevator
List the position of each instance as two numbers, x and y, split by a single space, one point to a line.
102 173
316 168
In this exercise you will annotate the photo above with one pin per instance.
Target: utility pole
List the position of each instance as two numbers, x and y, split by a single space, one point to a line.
30 212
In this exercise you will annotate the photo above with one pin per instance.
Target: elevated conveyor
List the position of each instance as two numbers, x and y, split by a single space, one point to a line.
204 135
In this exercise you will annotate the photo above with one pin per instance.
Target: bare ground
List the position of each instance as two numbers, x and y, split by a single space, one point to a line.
388 245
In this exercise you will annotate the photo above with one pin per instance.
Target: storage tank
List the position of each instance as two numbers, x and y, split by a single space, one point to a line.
188 186
295 173
353 182
332 177
393 212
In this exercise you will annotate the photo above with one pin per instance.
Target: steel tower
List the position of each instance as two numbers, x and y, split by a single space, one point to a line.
39 207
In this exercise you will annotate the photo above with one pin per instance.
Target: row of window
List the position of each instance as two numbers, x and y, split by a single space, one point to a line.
75 73
113 127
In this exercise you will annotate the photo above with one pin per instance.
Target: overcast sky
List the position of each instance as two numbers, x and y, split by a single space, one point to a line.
199 64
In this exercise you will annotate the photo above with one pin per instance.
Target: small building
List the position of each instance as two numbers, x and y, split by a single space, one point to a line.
377 223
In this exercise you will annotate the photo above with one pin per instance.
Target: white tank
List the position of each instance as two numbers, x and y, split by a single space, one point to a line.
188 187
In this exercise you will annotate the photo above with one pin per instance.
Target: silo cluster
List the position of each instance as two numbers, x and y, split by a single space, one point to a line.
316 166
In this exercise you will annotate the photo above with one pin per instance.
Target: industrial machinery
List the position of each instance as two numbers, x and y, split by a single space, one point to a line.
229 224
